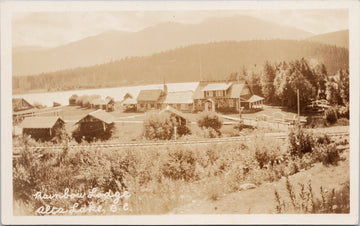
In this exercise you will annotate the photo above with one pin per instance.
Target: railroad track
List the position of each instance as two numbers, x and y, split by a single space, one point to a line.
164 143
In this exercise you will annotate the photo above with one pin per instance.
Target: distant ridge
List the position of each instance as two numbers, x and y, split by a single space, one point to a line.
115 45
338 38
215 61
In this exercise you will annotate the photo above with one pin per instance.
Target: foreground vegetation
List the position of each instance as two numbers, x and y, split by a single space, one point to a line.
160 179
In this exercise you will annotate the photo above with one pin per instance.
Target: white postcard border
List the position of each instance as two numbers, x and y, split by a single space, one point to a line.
7 8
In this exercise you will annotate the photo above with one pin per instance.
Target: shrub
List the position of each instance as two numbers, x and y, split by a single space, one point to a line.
210 133
330 115
327 154
180 164
161 126
210 120
300 142
343 111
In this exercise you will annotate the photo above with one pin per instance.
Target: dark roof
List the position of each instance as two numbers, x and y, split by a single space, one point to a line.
173 111
39 122
100 115
149 95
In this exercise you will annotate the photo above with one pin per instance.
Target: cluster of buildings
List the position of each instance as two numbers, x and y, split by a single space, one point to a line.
209 95
107 104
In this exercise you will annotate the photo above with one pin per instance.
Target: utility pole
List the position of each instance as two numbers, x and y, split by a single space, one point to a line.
239 97
298 104
175 132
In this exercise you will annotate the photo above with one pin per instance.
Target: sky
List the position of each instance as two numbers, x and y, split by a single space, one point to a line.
51 29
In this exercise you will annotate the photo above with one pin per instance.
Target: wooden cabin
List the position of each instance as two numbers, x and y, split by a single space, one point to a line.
42 128
150 99
95 125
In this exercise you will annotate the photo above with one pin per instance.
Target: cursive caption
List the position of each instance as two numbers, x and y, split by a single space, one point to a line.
118 202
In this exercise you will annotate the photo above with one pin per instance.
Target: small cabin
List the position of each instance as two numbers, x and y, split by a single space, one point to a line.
98 103
95 125
149 99
42 128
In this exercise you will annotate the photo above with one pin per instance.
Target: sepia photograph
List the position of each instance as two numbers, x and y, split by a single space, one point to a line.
179 111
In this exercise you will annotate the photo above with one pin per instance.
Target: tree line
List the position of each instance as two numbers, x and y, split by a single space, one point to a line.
278 83
213 61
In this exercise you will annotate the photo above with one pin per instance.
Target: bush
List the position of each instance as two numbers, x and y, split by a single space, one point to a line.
210 133
327 154
330 115
343 111
300 142
161 126
210 120
180 165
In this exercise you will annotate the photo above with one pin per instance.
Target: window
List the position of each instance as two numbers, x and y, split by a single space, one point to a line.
210 94
220 93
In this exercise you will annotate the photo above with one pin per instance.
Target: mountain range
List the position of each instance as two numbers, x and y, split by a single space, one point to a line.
116 45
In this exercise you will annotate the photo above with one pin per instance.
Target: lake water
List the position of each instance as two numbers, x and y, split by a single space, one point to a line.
117 93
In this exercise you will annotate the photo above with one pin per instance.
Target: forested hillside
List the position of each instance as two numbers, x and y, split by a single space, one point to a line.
338 38
192 63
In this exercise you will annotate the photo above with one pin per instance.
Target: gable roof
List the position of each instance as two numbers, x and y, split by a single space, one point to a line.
109 100
173 111
255 98
19 102
149 95
217 86
100 115
183 97
235 90
39 122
